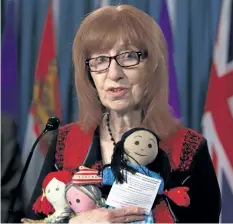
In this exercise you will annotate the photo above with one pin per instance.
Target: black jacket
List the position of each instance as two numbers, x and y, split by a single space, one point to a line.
195 171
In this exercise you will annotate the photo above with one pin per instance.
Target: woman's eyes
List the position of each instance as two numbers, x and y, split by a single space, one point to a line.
101 59
128 55
131 55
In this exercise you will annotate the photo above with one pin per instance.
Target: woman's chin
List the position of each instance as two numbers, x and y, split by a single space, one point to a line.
121 108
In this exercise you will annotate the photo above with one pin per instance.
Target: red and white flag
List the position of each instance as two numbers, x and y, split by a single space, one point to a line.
45 104
217 121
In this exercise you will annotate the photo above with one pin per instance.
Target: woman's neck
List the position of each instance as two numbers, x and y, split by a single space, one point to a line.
120 123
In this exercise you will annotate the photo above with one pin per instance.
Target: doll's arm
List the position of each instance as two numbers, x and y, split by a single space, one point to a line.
204 192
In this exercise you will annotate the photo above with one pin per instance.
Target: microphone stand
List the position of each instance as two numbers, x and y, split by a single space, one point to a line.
49 127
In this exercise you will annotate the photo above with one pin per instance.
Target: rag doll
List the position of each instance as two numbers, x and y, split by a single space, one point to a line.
52 202
83 193
138 151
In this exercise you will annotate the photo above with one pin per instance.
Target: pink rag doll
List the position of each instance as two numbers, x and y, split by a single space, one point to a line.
52 202
83 193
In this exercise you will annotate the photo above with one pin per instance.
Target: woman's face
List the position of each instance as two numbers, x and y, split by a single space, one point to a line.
120 89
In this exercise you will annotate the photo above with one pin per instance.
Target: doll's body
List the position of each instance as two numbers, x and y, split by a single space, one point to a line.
136 152
137 148
108 177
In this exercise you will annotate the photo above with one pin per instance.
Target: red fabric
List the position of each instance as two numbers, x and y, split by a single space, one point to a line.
179 195
162 214
72 146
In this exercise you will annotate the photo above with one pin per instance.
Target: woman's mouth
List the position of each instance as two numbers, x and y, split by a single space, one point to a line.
117 91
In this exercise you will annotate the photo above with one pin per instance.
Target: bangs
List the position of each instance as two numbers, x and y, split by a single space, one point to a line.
109 29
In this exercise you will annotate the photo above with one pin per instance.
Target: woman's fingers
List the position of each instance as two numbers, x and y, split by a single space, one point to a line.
25 220
127 214
130 218
126 211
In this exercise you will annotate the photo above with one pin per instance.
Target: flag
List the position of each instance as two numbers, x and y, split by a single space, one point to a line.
167 31
217 120
45 103
9 85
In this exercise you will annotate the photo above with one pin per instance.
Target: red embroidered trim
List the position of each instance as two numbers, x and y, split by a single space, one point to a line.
60 146
162 214
191 143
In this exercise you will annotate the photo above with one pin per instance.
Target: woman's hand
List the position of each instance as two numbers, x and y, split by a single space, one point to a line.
125 214
25 220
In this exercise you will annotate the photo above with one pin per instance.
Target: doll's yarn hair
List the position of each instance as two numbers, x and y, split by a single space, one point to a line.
42 205
91 190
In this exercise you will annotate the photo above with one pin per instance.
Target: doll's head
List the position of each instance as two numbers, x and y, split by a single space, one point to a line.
83 198
137 146
83 193
53 196
140 146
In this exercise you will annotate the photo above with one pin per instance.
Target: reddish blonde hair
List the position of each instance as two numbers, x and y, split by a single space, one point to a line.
100 31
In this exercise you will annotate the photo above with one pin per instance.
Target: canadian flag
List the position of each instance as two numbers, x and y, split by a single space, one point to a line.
217 120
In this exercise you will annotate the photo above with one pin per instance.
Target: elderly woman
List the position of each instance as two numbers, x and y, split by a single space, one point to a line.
121 76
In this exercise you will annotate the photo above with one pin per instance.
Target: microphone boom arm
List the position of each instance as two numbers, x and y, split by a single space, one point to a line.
52 124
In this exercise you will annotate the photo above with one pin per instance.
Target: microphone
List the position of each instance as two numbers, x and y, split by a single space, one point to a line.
51 125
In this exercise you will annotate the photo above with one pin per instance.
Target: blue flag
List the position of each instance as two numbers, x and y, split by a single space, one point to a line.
9 82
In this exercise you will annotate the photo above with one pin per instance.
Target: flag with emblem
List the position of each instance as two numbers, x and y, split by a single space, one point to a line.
217 121
45 103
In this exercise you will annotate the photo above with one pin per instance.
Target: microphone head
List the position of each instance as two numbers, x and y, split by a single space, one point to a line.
52 124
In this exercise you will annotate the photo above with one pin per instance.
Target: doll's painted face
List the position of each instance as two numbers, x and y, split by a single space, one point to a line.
55 194
142 146
79 201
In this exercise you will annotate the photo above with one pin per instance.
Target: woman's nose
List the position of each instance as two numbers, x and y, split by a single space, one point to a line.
115 71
